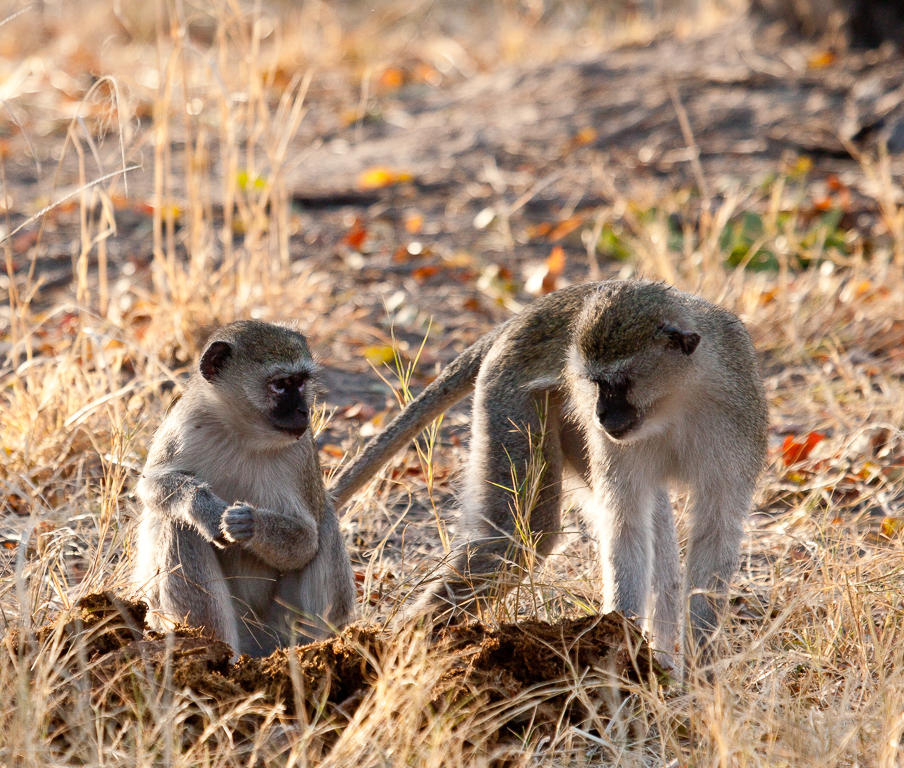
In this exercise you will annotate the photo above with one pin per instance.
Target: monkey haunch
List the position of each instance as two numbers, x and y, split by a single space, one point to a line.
238 534
630 387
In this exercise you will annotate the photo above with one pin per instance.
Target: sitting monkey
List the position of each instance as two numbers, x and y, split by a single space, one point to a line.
238 534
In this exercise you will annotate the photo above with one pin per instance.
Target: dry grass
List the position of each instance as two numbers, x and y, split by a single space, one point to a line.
813 669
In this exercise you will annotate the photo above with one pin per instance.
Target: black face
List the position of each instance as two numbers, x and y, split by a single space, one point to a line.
289 411
613 411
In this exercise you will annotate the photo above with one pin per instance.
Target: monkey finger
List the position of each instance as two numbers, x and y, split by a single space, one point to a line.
238 523
237 511
238 533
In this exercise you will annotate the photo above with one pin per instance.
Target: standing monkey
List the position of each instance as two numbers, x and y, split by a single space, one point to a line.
238 534
630 386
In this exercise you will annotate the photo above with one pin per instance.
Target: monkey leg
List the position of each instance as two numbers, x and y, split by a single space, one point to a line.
666 614
511 505
313 603
191 587
717 526
622 518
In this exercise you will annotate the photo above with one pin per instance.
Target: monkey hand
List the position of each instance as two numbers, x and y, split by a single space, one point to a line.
237 523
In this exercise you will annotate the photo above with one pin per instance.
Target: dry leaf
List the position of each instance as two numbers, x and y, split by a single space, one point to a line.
380 176
564 228
794 451
821 60
413 223
392 79
356 236
423 274
379 354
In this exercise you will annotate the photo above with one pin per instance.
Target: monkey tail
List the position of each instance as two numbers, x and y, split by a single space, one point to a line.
456 381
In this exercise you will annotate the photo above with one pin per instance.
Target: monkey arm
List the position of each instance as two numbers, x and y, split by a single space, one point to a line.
285 542
182 498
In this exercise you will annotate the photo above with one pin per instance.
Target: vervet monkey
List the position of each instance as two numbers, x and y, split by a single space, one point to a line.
630 386
238 534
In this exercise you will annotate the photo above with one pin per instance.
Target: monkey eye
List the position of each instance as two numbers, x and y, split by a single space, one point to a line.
277 388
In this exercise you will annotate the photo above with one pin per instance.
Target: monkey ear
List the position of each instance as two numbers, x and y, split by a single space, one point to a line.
686 341
214 359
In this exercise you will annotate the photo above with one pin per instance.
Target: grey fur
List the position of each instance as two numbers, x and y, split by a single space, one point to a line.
237 533
693 387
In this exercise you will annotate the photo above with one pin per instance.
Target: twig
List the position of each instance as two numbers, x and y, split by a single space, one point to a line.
48 208
691 143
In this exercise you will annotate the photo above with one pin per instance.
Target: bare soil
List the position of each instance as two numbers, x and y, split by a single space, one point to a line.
332 678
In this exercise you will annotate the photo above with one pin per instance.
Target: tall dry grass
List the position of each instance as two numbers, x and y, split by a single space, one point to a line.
812 667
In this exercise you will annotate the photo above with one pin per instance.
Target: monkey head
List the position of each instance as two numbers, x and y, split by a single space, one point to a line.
264 374
632 352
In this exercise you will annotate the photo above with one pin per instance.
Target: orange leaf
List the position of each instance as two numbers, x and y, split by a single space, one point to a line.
422 274
794 451
585 136
356 237
539 230
380 176
413 223
472 305
891 526
564 228
821 60
555 263
392 79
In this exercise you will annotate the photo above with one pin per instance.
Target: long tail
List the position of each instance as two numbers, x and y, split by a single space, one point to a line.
448 388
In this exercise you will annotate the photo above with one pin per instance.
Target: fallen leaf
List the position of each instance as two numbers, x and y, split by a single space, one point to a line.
794 451
392 79
472 304
585 136
379 354
381 176
413 223
539 230
356 236
821 59
869 471
423 274
566 227
555 263
245 181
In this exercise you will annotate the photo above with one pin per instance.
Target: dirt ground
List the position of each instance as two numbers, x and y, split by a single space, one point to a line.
108 635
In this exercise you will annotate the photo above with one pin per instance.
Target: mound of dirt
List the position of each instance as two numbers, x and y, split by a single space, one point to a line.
496 664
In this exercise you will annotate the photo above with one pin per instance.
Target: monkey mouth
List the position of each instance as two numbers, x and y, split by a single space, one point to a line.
617 427
295 432
619 435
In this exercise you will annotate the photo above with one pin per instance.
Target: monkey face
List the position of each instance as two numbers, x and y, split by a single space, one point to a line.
262 375
614 412
288 404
